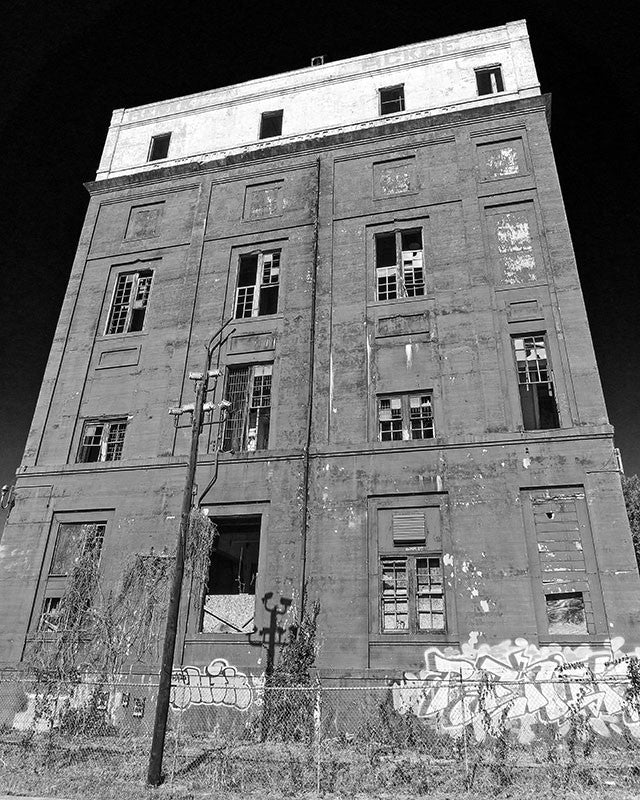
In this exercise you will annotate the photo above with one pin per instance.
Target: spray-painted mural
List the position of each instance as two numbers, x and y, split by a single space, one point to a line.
219 684
521 685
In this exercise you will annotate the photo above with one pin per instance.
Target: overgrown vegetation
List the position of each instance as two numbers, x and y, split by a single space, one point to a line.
290 699
96 634
631 491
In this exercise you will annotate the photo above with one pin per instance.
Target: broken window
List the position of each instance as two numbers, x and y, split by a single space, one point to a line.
391 99
129 304
258 284
49 615
489 80
405 417
73 540
566 613
399 265
412 594
535 382
159 147
229 601
248 389
102 440
271 124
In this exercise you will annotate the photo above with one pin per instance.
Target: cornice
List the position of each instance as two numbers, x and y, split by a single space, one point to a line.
316 143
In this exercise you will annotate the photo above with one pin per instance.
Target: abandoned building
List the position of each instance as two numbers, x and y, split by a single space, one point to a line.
415 428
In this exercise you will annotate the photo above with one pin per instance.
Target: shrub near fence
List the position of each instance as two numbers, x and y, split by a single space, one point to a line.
92 739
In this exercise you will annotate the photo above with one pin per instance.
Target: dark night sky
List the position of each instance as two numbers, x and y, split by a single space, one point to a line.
68 63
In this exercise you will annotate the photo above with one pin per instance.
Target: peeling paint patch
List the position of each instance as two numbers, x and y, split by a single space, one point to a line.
447 559
484 606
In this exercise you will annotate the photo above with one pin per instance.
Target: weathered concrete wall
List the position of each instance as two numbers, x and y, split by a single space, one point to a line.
482 188
437 74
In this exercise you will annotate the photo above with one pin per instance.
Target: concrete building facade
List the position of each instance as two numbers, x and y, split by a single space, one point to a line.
417 429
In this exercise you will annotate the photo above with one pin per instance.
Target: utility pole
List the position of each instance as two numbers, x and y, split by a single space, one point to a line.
197 410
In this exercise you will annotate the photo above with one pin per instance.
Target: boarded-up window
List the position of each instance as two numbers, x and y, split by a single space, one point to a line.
514 244
560 524
264 201
144 221
396 177
504 159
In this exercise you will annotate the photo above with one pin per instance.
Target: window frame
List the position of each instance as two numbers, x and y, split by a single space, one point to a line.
158 140
406 428
221 521
259 285
107 423
551 382
51 585
398 87
394 533
270 115
399 270
227 434
494 71
412 592
131 302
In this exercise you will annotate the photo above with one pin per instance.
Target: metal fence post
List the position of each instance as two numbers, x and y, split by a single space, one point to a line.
318 724
464 731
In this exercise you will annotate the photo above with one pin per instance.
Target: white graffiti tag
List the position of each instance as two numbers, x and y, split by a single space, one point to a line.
521 685
220 684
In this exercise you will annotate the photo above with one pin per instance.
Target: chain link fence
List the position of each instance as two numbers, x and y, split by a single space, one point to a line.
230 735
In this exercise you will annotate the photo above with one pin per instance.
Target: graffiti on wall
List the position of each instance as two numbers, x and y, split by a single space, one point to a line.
521 685
218 684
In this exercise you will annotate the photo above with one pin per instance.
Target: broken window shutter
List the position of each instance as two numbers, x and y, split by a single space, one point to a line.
409 528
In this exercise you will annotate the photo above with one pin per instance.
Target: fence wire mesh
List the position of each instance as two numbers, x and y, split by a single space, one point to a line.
236 736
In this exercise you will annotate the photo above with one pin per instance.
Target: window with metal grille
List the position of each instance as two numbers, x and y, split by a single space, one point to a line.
535 382
130 301
248 389
405 417
271 124
102 440
489 80
412 594
159 147
399 265
391 99
258 284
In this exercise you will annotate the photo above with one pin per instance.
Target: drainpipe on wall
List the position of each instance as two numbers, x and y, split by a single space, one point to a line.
312 345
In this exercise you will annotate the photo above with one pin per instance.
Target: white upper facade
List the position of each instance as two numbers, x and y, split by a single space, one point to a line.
448 74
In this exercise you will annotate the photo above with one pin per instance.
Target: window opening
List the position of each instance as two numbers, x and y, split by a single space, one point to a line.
566 613
271 124
130 301
489 80
258 285
391 100
50 612
229 601
159 147
405 417
535 383
249 392
399 265
102 440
